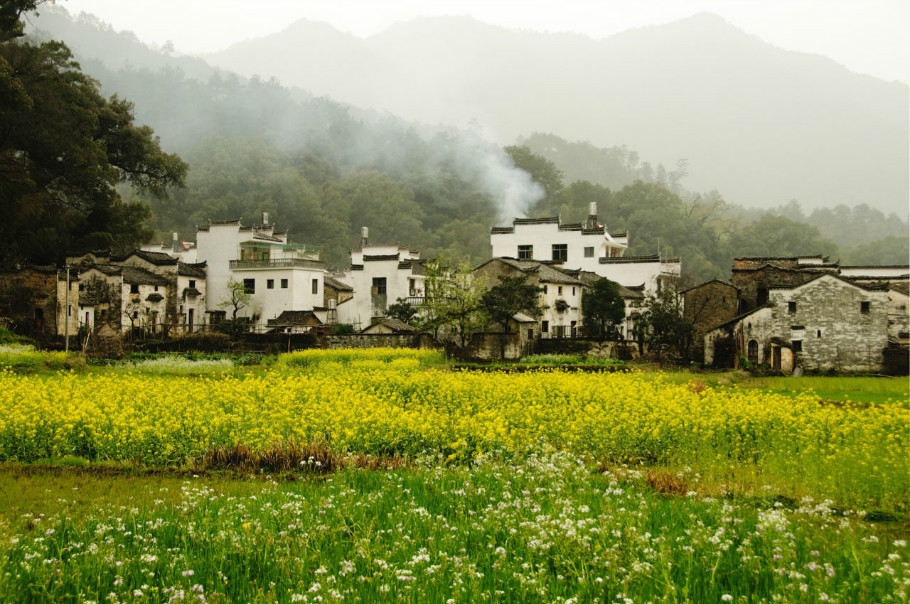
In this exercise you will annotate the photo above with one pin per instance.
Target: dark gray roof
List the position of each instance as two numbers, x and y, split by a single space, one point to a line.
545 273
192 270
132 274
337 285
292 318
393 324
156 258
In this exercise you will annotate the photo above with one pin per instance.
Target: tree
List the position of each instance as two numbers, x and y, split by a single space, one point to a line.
238 297
511 296
402 311
63 150
662 324
452 299
603 307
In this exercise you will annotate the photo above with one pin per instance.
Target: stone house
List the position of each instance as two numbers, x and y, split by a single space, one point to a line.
33 300
827 323
295 321
560 293
706 306
754 277
389 326
898 317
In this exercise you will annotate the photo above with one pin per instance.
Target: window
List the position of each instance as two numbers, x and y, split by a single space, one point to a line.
379 286
589 252
545 291
525 252
573 291
797 345
270 284
559 290
315 286
544 327
249 286
560 252
192 284
791 307
284 284
818 333
864 308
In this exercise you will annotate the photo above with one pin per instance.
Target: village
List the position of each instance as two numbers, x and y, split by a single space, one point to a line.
784 314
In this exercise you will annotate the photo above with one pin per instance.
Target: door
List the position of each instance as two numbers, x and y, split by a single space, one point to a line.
189 320
775 358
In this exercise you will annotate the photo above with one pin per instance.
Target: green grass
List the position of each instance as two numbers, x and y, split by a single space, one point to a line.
551 528
858 389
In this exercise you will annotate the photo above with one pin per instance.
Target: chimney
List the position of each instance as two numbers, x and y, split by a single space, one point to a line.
265 219
175 245
364 236
592 215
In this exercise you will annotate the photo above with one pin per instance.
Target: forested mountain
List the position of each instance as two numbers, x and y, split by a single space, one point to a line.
323 169
759 124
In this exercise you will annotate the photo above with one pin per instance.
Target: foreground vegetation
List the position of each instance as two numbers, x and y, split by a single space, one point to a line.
382 474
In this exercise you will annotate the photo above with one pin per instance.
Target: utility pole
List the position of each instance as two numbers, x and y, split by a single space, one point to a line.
66 313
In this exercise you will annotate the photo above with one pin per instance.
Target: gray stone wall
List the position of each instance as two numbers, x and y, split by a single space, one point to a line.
830 321
364 340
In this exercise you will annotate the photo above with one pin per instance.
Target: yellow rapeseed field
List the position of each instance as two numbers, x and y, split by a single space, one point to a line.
393 402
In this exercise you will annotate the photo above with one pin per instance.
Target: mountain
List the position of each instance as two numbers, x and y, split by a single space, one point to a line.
760 124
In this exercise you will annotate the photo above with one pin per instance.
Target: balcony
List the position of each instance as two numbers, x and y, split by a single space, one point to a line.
276 263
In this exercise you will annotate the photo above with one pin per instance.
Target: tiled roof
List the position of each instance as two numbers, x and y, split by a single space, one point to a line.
395 325
337 285
191 270
132 274
291 318
157 258
545 273
381 258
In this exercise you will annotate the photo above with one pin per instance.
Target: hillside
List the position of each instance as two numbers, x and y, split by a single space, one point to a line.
760 124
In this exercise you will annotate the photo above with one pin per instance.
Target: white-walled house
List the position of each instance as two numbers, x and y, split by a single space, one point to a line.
583 246
281 276
560 295
379 276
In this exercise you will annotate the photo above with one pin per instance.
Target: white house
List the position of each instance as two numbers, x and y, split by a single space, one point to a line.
281 276
586 246
560 295
379 276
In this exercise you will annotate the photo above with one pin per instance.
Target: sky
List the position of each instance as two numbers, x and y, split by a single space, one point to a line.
866 36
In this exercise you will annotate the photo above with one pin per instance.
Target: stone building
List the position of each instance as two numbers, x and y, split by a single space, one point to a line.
33 300
706 306
827 323
754 277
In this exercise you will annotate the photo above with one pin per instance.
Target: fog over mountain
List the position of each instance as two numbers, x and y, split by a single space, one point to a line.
760 124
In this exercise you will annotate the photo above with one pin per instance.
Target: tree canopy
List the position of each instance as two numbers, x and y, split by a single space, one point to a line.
512 295
604 309
64 148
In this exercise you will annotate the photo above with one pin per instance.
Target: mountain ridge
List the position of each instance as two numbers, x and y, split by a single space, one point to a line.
761 124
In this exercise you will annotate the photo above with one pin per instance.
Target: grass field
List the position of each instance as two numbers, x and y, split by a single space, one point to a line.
383 475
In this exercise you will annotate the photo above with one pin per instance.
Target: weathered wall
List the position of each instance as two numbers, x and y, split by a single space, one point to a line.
362 340
750 281
830 323
706 306
29 298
